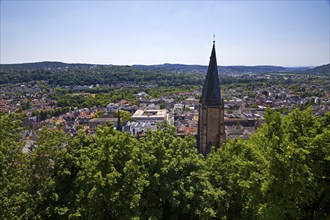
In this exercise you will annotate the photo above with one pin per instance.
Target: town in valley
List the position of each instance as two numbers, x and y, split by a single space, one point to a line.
144 105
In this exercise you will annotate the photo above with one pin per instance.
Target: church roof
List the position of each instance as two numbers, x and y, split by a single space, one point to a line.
211 90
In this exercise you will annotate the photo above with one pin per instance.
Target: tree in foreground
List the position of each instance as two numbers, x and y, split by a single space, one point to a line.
15 200
281 172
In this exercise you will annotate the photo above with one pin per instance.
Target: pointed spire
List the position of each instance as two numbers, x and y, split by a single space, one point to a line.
211 90
118 121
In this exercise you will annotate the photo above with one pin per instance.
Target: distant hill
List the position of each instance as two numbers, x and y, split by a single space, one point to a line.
223 69
46 65
167 67
320 70
252 69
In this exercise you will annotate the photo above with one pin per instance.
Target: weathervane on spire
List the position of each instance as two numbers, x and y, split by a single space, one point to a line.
213 38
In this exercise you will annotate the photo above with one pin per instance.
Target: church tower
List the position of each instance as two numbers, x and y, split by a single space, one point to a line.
118 127
211 126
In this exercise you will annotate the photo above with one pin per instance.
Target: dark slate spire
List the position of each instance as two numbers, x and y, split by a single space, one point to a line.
211 91
118 121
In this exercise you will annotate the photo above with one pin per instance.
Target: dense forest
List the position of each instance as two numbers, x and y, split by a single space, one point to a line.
281 172
110 75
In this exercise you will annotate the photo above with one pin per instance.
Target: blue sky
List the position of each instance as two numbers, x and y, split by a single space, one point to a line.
286 33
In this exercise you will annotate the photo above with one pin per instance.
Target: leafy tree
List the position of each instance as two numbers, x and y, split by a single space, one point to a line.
236 172
281 172
100 179
15 201
124 116
175 182
297 151
43 166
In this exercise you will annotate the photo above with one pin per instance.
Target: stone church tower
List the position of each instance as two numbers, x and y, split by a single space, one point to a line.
211 126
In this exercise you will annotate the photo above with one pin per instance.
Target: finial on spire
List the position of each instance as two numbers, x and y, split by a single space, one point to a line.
213 38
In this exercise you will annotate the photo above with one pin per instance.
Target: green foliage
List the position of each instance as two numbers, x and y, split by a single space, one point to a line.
115 75
43 161
98 114
229 111
124 116
281 172
46 114
236 173
253 106
296 148
99 75
100 181
15 201
65 98
176 185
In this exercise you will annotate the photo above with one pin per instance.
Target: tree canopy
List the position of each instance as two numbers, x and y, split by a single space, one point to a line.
281 172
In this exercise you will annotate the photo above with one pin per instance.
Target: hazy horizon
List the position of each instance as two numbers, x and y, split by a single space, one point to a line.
277 33
109 64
